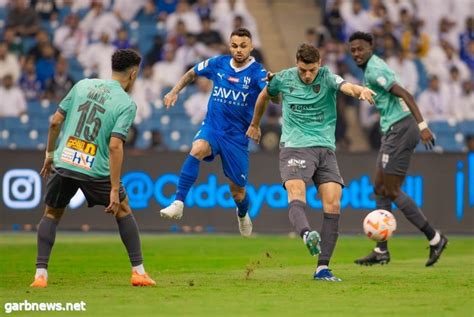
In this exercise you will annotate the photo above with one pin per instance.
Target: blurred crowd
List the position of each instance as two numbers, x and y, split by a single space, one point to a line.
48 45
428 43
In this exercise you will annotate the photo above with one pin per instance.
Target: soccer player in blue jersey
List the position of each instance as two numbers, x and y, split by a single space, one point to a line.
238 80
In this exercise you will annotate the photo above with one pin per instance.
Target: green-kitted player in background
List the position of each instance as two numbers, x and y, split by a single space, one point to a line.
97 115
402 125
307 145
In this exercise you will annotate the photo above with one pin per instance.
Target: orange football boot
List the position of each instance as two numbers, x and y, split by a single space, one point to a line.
40 282
141 279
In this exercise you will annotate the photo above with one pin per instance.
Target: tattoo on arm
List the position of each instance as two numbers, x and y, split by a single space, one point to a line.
185 80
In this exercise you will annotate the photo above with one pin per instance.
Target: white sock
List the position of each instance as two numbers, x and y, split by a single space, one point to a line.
379 251
321 267
140 269
41 272
436 239
305 236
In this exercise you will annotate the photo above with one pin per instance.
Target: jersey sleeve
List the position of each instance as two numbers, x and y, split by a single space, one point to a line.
207 68
334 81
261 78
124 121
274 85
66 104
382 77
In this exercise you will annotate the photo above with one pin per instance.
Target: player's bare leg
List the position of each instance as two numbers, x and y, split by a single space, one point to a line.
189 173
296 189
130 236
45 242
242 201
331 193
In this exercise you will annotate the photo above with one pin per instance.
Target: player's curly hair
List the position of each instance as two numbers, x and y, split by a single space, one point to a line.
241 32
307 54
362 36
123 59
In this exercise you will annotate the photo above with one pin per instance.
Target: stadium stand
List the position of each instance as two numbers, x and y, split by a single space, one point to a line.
145 25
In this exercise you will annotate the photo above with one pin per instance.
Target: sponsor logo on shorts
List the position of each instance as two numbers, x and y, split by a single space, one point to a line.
297 163
385 158
81 145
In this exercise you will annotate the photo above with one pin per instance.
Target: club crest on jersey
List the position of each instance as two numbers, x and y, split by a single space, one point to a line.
317 88
233 79
246 82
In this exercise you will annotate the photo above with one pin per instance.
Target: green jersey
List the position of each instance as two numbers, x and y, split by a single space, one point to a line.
95 110
380 78
309 110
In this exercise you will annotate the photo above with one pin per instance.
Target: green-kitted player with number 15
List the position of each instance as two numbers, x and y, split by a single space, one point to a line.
97 115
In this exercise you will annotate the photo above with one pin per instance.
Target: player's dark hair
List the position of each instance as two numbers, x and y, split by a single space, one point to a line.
307 54
123 59
362 36
241 32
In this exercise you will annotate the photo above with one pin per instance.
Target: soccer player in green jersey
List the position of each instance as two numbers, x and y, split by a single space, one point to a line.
96 115
307 145
402 126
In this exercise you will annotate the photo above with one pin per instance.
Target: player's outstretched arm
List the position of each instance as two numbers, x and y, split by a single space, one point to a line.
253 132
427 136
171 97
356 91
53 133
115 164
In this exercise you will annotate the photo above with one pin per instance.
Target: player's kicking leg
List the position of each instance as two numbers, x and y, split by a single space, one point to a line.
380 254
296 189
130 236
242 201
189 173
45 241
331 196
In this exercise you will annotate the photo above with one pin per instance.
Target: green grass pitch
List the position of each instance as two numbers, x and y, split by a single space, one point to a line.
231 276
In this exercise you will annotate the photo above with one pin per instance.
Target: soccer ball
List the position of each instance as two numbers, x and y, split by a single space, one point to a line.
379 225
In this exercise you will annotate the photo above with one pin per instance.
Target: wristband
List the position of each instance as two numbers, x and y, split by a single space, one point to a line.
50 155
422 125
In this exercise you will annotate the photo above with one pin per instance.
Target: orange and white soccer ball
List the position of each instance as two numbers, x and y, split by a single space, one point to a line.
379 225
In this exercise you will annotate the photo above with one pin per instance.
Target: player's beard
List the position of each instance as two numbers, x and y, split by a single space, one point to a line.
242 59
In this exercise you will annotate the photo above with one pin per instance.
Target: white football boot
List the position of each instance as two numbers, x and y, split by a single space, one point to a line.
245 225
173 211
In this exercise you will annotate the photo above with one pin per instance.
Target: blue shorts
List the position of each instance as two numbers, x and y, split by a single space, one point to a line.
234 154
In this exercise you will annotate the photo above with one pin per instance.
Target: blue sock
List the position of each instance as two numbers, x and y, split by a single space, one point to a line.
243 206
189 173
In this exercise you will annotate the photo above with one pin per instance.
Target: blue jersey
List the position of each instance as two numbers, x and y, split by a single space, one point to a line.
235 91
